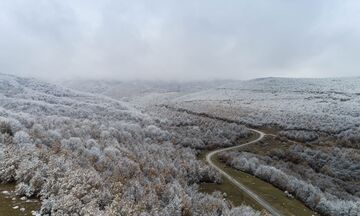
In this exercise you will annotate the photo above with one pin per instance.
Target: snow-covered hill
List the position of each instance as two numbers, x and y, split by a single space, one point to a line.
324 105
322 115
141 92
85 154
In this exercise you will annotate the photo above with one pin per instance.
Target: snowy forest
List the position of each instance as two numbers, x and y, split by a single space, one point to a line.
85 154
314 153
95 153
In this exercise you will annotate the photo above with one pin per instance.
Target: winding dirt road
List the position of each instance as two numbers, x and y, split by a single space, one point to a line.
242 187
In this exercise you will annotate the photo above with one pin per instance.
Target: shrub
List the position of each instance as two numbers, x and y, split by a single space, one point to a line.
5 128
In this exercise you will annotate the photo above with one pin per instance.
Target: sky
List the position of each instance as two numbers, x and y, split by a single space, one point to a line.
179 40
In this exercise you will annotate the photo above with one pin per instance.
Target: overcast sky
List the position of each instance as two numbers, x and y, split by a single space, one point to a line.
184 39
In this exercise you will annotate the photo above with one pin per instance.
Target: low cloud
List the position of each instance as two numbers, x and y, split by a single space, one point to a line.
190 39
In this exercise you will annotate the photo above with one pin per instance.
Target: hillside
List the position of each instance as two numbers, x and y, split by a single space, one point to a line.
315 154
85 154
141 92
322 105
58 144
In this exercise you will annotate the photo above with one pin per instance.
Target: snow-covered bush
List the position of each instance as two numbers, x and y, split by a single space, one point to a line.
300 135
5 128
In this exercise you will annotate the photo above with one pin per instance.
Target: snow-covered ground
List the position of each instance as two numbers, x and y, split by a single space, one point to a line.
324 105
